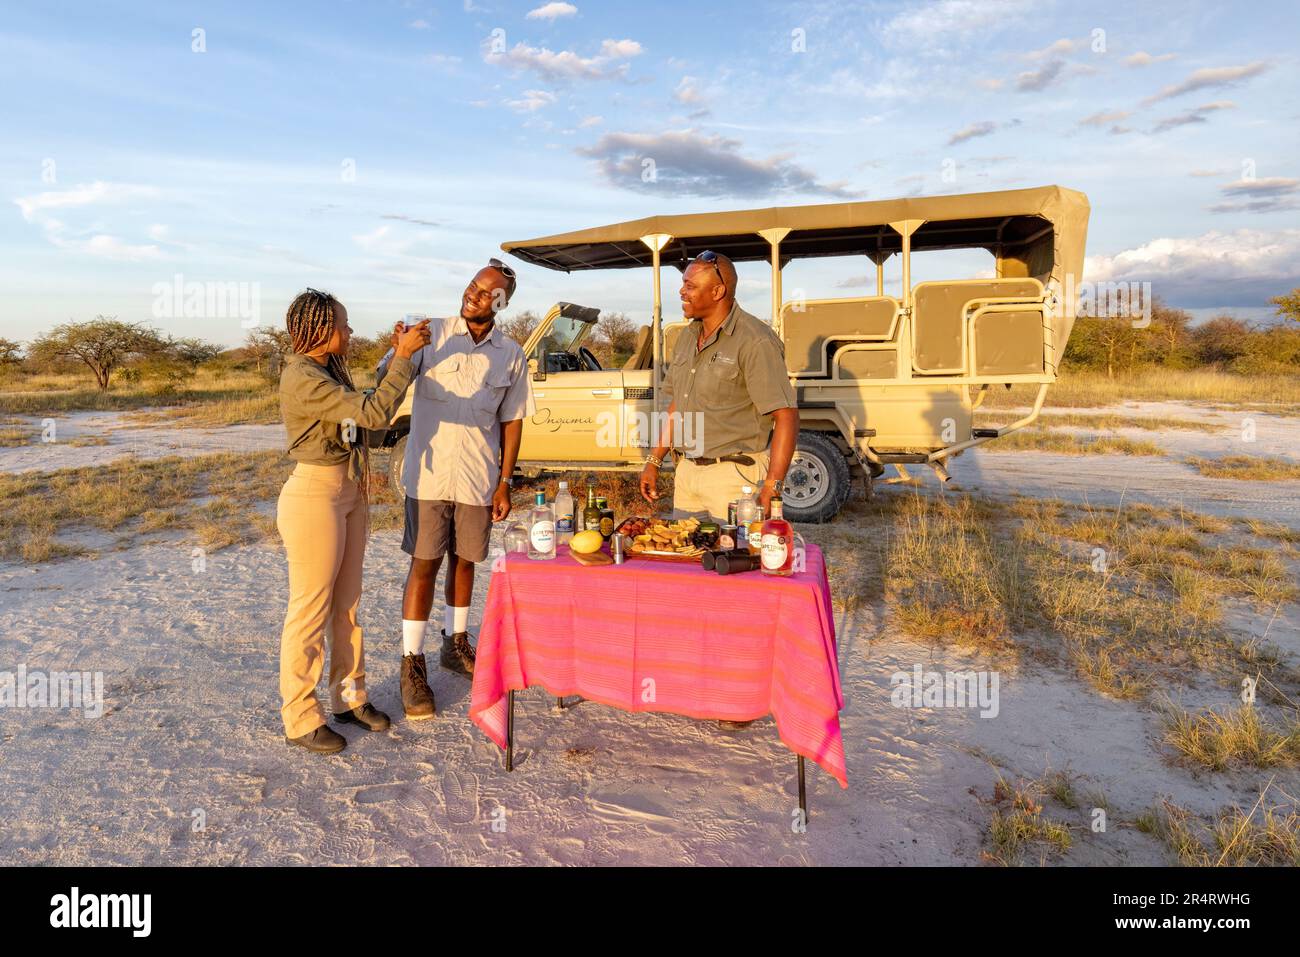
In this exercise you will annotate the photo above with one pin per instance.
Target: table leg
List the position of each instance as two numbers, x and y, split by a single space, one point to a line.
803 793
560 703
510 735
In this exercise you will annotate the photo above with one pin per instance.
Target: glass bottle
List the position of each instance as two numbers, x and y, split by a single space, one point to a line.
563 515
541 530
591 514
778 543
747 510
606 517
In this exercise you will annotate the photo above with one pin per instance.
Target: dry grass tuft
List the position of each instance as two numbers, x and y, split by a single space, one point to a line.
1248 468
1068 443
1018 824
1237 738
1235 838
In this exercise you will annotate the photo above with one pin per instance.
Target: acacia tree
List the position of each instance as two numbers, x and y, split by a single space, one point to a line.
267 346
520 327
11 353
102 345
616 339
1288 306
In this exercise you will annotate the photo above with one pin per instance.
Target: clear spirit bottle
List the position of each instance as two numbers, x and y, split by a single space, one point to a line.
541 530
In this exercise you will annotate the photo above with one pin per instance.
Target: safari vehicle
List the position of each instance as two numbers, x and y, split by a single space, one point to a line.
880 380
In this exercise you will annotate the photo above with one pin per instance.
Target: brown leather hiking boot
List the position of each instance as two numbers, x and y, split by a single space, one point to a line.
367 715
417 697
322 740
457 654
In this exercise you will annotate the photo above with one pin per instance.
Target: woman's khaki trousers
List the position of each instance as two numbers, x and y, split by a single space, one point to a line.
322 518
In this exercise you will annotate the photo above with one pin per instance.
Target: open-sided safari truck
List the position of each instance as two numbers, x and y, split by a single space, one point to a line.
879 379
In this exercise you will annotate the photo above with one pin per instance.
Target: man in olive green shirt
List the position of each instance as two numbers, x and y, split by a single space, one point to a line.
730 392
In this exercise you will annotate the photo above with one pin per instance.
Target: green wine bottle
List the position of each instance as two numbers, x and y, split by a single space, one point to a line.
591 514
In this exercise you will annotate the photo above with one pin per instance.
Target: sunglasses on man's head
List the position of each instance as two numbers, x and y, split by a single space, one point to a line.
502 267
711 258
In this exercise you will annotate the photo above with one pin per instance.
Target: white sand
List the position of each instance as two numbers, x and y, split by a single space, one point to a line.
191 723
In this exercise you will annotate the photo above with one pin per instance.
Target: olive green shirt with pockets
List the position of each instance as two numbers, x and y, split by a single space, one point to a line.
734 384
317 409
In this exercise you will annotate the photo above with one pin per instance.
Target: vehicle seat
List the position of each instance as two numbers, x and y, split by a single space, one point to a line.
643 353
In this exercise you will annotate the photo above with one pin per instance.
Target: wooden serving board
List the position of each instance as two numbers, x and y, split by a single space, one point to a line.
594 558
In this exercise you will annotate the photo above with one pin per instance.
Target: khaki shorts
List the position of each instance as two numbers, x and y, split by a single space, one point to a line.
433 526
705 490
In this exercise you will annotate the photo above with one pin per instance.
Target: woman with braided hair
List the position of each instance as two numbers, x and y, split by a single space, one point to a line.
323 515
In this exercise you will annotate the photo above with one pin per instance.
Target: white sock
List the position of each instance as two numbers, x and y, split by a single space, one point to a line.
459 621
413 636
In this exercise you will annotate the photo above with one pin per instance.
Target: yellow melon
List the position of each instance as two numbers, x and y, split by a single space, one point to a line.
586 542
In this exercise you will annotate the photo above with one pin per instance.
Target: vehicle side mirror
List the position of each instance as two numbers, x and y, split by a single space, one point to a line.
537 365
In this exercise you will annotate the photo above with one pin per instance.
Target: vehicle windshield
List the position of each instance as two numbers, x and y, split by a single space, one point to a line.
566 335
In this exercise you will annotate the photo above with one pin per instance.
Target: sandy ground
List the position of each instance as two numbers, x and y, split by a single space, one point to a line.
191 728
122 437
1106 480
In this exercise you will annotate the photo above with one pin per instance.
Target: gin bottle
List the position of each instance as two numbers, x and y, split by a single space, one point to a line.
541 530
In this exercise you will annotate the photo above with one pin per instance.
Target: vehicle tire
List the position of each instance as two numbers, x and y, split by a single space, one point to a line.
396 456
817 483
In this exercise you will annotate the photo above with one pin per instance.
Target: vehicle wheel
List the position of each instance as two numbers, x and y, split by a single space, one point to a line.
396 456
817 483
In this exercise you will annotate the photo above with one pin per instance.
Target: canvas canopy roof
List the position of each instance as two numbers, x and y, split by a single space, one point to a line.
1036 232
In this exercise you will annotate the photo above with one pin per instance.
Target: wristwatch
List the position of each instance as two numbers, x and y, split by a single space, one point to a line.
777 485
508 481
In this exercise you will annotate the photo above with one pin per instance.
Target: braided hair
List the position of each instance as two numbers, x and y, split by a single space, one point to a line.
310 322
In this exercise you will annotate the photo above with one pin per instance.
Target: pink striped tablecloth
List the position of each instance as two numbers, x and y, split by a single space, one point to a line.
658 636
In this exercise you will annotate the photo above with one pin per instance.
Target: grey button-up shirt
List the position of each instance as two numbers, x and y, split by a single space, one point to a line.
735 383
464 390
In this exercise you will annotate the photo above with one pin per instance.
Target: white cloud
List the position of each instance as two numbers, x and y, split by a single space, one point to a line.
591 121
81 195
1242 267
983 128
419 24
930 25
552 11
686 91
92 241
1032 81
372 239
1104 118
114 247
532 101
1054 50
1209 78
1267 194
687 163
1197 115
565 64
1142 58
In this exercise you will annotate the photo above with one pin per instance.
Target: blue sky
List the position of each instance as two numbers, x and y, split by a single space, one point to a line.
385 150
